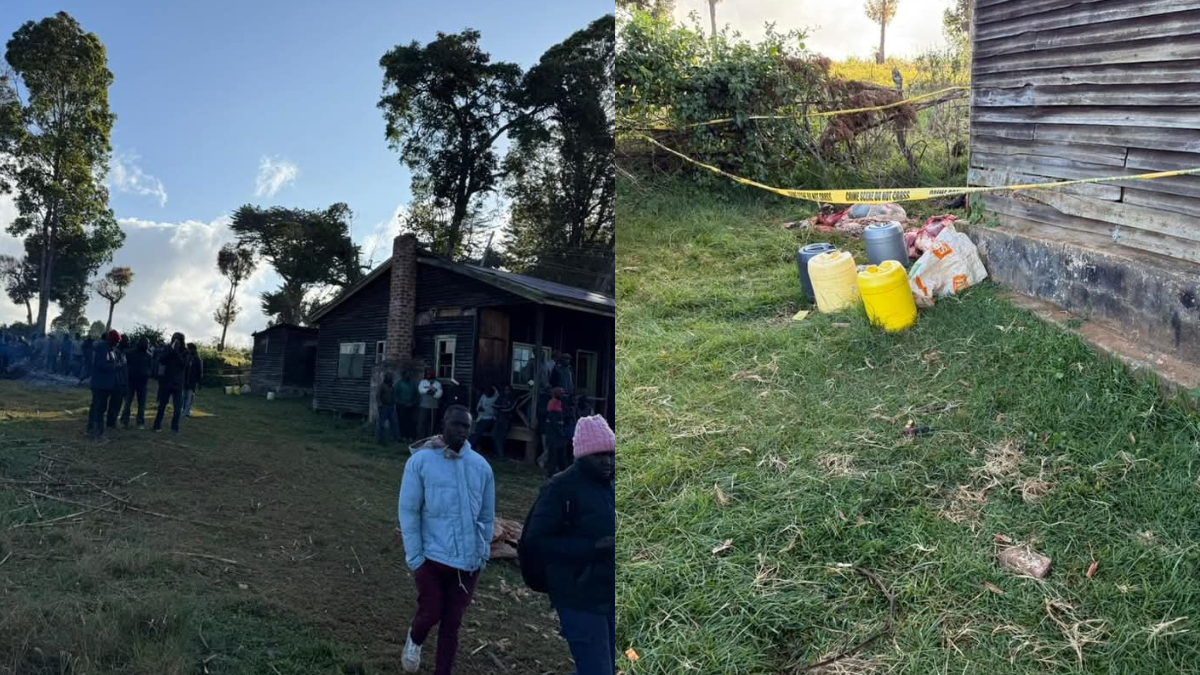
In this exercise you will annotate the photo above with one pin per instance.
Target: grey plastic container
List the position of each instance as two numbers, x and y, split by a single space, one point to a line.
805 254
885 241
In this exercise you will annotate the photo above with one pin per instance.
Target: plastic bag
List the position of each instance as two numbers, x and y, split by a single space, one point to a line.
951 265
879 211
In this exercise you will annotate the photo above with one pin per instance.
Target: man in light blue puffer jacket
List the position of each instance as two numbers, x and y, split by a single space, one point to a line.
447 518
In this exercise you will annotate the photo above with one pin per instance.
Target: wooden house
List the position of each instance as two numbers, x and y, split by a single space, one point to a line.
471 325
1071 89
284 360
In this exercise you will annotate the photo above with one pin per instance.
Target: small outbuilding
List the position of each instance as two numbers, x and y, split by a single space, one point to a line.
284 360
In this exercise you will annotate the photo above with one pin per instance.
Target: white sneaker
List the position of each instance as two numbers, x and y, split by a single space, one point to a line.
410 660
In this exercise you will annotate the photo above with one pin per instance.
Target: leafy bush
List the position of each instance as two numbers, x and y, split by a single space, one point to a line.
218 362
671 78
153 335
672 75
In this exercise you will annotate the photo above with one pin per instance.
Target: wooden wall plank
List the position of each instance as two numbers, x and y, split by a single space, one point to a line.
1034 15
987 177
1174 117
1133 238
1150 138
1017 131
993 11
1185 94
1141 27
1136 51
1067 169
1126 215
1162 160
1165 202
1106 155
1167 72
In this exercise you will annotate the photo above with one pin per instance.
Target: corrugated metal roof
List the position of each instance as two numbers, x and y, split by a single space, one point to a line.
559 291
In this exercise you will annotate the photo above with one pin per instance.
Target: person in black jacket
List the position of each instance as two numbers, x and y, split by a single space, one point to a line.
103 376
139 364
120 389
89 350
173 364
572 531
191 379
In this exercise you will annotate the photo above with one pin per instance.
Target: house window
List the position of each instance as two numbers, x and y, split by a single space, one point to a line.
524 365
262 344
585 372
380 349
445 356
350 358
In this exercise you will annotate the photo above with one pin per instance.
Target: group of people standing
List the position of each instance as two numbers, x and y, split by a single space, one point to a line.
120 373
58 353
567 549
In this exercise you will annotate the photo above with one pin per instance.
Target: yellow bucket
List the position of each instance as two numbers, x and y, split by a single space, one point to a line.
887 297
834 281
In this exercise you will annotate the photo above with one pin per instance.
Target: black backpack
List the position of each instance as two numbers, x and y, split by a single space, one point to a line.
533 567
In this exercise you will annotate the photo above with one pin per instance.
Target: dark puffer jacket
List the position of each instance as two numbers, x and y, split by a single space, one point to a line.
103 368
574 511
175 363
139 364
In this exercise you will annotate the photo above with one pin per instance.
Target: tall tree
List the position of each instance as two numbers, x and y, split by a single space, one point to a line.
956 20
881 12
19 276
307 248
71 319
446 106
57 139
113 287
236 264
712 16
563 184
658 9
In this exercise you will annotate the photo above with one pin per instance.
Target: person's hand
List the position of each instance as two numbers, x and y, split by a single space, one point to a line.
606 543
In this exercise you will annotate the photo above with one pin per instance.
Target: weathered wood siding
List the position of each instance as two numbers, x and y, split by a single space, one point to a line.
266 361
298 358
1067 89
361 318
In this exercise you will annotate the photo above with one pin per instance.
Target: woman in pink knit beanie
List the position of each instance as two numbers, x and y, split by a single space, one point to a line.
571 536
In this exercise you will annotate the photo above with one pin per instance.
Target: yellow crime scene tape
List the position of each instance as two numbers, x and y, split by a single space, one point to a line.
826 113
887 196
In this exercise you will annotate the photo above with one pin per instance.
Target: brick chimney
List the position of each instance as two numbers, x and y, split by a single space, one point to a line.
402 304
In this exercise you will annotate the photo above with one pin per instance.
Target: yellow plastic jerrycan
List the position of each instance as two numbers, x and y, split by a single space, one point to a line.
834 281
887 296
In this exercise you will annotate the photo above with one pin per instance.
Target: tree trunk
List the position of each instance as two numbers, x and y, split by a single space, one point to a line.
712 17
460 214
46 269
28 313
879 58
221 344
108 326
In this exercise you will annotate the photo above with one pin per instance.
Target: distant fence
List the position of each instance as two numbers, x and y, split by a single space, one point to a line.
225 377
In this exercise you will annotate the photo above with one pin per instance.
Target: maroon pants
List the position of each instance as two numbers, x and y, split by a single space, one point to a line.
443 594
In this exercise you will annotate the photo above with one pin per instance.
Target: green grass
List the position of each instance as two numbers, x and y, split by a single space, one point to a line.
304 503
797 427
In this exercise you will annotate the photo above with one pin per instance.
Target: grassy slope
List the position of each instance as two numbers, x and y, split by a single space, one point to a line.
291 491
799 426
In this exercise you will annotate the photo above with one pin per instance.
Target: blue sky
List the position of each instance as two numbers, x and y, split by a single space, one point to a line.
223 103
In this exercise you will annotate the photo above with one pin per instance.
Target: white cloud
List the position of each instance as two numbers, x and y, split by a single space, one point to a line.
124 175
835 29
274 175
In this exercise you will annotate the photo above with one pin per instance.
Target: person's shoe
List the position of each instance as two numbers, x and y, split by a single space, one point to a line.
158 431
410 660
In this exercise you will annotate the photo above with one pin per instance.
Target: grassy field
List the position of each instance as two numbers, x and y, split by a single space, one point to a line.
274 550
764 461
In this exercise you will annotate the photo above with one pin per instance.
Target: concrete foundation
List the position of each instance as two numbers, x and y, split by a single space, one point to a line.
1139 307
